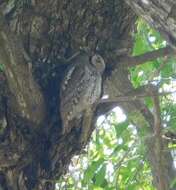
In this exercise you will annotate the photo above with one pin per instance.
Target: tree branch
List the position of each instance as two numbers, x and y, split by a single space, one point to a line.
158 142
149 56
135 95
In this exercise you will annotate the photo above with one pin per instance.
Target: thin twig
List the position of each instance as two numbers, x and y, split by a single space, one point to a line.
157 114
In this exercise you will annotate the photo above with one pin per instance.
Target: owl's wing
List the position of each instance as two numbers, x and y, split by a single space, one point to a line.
71 83
74 75
72 92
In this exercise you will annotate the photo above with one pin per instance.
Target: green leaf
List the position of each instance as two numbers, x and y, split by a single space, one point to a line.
90 172
120 128
173 184
100 175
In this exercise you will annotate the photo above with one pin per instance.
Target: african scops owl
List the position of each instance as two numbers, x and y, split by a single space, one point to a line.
81 87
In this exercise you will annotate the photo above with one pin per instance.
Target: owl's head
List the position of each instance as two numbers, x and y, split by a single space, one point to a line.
98 62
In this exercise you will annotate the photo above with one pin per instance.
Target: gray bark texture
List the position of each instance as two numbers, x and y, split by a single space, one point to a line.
36 39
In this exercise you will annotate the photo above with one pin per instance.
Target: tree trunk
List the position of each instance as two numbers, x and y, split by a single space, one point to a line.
36 37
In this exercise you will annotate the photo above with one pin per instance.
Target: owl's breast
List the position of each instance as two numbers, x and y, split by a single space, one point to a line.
93 90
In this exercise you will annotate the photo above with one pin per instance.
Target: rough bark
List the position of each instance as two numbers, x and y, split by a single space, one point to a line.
19 77
36 39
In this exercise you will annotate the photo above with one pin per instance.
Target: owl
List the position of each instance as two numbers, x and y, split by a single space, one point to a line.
80 88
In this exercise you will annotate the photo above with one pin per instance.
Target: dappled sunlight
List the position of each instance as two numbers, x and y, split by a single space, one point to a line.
101 119
108 155
119 114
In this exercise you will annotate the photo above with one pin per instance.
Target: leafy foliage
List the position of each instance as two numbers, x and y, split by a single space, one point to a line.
114 159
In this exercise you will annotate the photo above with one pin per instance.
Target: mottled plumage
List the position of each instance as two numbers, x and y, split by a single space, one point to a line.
81 87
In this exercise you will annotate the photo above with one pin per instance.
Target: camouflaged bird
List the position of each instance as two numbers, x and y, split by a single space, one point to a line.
81 87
